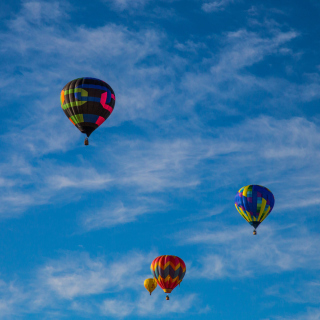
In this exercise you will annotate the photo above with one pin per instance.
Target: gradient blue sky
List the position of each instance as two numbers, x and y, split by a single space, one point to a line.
211 96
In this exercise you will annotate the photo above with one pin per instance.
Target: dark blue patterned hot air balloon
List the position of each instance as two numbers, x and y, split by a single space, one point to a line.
87 102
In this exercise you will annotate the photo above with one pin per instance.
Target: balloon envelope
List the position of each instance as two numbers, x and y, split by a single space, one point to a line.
150 284
168 271
87 102
254 203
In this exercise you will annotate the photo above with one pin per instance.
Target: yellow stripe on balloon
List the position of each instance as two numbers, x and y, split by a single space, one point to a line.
174 267
240 190
238 209
176 279
263 205
168 278
249 216
265 214
245 191
242 213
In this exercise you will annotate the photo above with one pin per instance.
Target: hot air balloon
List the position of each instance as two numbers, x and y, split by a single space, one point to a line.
168 271
150 285
87 102
254 203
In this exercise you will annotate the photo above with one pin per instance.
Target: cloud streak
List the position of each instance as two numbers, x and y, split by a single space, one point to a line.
61 285
237 256
216 6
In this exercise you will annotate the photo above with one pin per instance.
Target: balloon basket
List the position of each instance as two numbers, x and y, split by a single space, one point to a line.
86 141
167 297
254 232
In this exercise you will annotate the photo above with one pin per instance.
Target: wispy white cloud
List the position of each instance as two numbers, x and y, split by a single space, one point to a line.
80 275
120 214
72 283
36 11
128 4
236 255
190 46
215 6
61 284
155 307
151 9
181 164
117 308
299 292
311 314
229 79
248 48
13 299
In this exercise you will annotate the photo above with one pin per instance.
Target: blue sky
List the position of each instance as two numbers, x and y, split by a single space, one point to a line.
211 96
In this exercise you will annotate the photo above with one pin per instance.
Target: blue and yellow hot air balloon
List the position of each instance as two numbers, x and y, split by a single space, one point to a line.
254 203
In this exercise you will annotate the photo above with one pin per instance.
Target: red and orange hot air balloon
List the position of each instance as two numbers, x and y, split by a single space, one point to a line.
168 271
